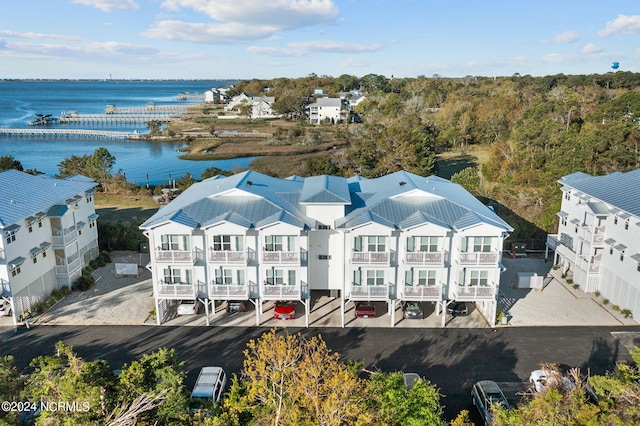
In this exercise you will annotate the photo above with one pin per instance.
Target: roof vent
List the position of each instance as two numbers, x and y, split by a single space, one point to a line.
403 183
249 182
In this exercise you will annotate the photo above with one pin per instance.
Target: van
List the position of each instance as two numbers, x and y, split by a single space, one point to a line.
210 386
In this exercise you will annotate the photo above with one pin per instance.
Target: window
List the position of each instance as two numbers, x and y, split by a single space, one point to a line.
615 220
229 276
567 195
324 227
479 278
638 267
174 276
626 224
175 242
610 250
481 244
429 244
426 277
30 227
92 223
15 270
44 253
375 277
40 223
222 242
324 257
621 256
277 277
89 197
279 243
10 236
564 221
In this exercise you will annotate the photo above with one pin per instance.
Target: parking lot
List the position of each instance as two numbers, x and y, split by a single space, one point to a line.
129 300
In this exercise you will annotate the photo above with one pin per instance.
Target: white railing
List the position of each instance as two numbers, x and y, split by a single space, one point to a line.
369 291
474 292
226 256
176 291
422 292
228 291
479 258
174 256
280 257
62 238
280 291
6 288
424 258
370 257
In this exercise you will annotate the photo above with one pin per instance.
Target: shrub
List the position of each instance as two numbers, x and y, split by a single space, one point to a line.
626 313
569 281
615 308
564 275
597 294
86 280
556 267
605 302
576 286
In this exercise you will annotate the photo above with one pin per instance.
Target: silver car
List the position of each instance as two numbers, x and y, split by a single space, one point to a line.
484 394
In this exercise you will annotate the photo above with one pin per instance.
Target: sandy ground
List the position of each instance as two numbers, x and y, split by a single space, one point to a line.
113 300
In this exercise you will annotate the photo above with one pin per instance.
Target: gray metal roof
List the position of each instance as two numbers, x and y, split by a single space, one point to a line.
621 190
261 200
25 195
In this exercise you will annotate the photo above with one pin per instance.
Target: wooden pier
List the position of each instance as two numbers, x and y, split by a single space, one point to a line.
149 109
68 133
113 119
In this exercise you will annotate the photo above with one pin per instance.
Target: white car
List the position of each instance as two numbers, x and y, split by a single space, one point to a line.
188 307
545 379
5 308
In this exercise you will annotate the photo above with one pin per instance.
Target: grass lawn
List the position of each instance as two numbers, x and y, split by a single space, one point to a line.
128 209
451 162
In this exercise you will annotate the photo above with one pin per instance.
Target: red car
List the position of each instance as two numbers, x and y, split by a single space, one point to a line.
284 310
365 310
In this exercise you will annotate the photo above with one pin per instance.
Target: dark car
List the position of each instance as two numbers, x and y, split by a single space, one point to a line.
484 395
412 310
284 310
458 309
365 310
236 306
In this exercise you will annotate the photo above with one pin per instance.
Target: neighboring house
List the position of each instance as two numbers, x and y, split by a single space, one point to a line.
236 101
49 234
354 101
598 239
260 105
257 238
326 109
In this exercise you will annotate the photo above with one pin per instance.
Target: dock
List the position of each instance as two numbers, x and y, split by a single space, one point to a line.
149 109
113 119
68 133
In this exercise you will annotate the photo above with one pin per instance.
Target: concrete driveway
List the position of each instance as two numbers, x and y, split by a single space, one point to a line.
129 300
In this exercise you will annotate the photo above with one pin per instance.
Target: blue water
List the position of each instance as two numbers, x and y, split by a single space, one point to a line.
140 161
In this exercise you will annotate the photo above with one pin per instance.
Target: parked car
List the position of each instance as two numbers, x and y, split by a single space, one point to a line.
208 389
5 308
236 306
284 310
365 310
458 309
549 379
410 379
412 310
188 307
484 394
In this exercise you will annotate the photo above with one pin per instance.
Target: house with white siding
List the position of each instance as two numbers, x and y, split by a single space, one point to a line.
598 239
326 110
49 234
257 238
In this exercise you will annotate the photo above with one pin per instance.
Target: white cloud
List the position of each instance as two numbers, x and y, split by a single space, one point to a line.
623 24
566 37
91 50
356 62
207 33
281 14
321 46
109 5
30 35
591 48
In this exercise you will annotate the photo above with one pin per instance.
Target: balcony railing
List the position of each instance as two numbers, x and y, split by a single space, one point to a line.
475 292
68 268
422 292
175 256
6 288
228 291
280 291
281 257
479 258
64 237
370 257
175 291
227 257
369 292
424 258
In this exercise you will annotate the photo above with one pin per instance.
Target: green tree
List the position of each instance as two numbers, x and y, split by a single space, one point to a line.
468 178
214 171
7 162
100 164
185 181
11 385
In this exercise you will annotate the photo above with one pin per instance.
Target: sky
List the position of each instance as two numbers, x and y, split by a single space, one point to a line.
266 39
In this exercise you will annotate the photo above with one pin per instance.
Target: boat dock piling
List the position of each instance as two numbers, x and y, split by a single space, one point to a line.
68 133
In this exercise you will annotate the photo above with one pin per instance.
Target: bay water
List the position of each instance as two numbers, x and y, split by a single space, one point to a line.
141 161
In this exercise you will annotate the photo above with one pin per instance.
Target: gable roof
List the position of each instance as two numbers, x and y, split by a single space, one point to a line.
25 195
620 190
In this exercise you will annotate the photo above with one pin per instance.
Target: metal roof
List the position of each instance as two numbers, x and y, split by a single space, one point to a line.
25 195
620 190
325 189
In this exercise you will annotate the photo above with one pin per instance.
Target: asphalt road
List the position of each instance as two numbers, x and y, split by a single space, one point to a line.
452 359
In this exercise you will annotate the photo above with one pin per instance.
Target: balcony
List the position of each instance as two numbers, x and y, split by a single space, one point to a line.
67 268
369 292
479 258
175 291
474 292
280 291
281 257
228 291
6 288
552 241
422 292
175 256
370 257
61 238
227 257
425 258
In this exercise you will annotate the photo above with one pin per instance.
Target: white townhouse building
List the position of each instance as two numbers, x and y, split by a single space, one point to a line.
400 237
326 109
49 234
598 239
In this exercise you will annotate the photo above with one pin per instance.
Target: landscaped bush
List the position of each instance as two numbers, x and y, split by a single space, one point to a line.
626 312
576 286
605 302
597 294
564 275
569 281
118 236
86 280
